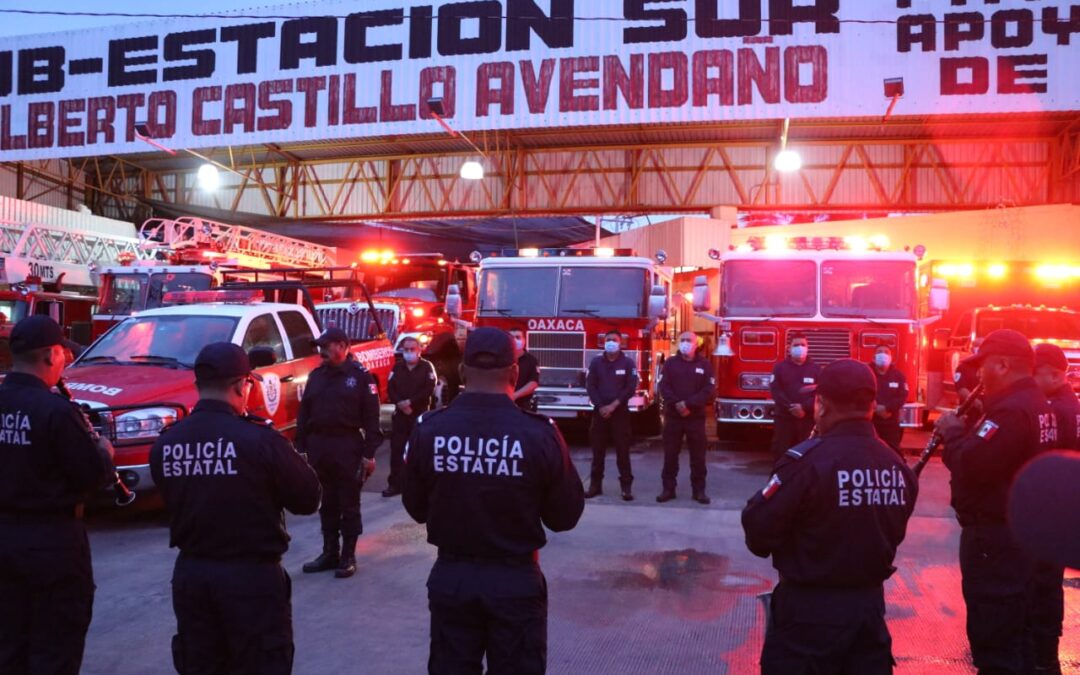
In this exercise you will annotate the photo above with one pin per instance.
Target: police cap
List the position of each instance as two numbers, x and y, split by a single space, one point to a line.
489 348
38 332
841 380
1047 354
222 361
332 334
1002 342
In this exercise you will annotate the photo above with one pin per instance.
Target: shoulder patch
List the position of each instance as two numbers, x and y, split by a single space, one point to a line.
425 416
539 416
987 430
259 421
800 450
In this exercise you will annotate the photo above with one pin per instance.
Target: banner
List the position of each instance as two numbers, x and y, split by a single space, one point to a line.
368 68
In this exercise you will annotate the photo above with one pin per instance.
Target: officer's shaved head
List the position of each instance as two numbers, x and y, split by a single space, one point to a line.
490 380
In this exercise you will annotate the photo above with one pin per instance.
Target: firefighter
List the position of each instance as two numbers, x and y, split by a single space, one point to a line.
892 391
486 478
997 575
832 516
611 383
338 428
50 461
528 372
225 478
686 387
411 386
793 413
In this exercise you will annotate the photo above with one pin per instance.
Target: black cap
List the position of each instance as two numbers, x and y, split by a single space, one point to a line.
332 334
1047 354
489 348
222 361
841 380
1044 508
37 332
1002 342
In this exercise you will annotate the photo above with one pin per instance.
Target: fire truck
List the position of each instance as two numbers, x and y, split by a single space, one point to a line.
567 299
188 254
138 377
846 297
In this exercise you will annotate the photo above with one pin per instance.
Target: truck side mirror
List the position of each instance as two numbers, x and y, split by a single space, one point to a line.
941 339
702 298
939 296
658 304
453 301
261 357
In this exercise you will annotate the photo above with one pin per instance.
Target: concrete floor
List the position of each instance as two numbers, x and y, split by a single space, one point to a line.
638 588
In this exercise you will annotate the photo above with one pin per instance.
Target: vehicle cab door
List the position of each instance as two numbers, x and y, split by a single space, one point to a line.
303 358
264 331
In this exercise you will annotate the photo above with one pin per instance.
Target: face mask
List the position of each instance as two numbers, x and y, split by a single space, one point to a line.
686 348
411 357
882 360
611 346
798 352
519 343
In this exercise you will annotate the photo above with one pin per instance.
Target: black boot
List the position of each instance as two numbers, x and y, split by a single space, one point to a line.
347 565
329 558
596 488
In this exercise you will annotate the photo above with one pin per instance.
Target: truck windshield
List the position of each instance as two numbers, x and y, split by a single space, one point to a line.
123 294
769 288
160 339
415 282
518 291
868 289
603 291
1035 324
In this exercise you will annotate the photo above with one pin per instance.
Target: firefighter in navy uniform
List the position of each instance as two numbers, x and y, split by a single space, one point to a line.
486 477
998 577
49 463
832 516
338 428
892 391
686 387
410 387
611 383
793 415
225 478
528 372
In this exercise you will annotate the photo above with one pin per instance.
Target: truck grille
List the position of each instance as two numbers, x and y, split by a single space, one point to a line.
560 358
828 344
358 324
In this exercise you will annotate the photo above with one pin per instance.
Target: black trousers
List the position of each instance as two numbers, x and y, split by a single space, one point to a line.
46 597
401 427
789 431
487 609
336 460
824 631
997 581
693 429
231 617
1047 613
614 430
889 431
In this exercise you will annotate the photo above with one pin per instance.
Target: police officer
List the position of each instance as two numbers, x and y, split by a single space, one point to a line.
528 372
49 463
793 416
410 387
611 383
1051 374
486 477
832 516
686 387
1017 424
338 428
892 391
225 478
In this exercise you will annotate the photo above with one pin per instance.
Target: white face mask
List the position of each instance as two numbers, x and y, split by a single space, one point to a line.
882 360
519 344
686 348
611 346
798 352
411 357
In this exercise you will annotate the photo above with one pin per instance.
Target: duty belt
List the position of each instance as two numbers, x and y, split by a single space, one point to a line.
337 431
523 559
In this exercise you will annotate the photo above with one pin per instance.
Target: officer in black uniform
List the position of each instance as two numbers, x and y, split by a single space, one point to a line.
892 391
611 383
410 387
793 415
49 463
225 478
528 372
997 575
1048 599
686 388
338 428
832 516
486 477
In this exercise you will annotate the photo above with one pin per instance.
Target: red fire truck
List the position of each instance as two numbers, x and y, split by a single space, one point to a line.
846 297
567 299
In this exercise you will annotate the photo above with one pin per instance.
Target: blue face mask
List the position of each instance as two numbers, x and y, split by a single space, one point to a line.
798 352
611 346
686 348
411 357
882 360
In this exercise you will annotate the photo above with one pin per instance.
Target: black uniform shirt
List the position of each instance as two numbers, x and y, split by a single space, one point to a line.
835 510
225 480
1067 409
417 385
1017 424
686 380
528 371
338 400
48 460
486 477
891 392
610 380
788 378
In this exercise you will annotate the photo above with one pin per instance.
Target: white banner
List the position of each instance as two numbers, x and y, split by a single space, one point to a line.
352 69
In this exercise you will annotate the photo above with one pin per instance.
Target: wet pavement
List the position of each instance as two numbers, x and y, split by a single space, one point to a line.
637 588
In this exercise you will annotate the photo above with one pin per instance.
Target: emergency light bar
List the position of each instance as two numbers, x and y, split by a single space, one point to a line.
201 297
774 242
599 252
